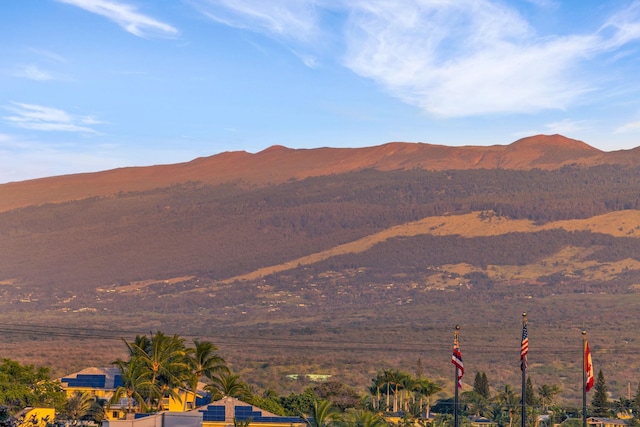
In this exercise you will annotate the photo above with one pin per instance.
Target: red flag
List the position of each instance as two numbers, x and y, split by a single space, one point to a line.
588 367
456 359
524 348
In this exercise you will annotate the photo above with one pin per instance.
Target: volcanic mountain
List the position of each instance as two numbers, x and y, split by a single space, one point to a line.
278 164
352 248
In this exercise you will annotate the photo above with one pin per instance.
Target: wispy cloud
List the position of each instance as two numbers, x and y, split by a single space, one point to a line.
292 19
37 117
629 127
126 16
448 58
24 158
32 72
566 126
52 56
464 58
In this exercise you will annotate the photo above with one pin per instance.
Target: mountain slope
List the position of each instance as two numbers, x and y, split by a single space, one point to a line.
279 164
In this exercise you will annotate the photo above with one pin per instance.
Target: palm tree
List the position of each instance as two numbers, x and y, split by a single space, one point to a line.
408 384
204 362
323 414
425 389
230 385
165 358
362 418
376 389
509 401
546 393
78 406
135 383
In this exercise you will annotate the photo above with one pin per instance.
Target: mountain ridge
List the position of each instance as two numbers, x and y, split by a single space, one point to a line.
278 164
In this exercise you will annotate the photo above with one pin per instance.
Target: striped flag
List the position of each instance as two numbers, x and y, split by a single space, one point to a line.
524 347
456 359
588 367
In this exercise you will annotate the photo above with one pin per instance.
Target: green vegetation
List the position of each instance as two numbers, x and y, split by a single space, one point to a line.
160 364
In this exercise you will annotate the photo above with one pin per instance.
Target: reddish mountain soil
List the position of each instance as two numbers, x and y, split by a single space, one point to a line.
278 164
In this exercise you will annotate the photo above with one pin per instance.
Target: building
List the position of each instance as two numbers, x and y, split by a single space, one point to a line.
35 417
102 383
605 422
225 412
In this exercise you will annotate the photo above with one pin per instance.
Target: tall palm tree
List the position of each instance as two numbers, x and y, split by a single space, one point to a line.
509 401
546 393
375 389
135 384
165 358
425 389
323 414
408 386
204 362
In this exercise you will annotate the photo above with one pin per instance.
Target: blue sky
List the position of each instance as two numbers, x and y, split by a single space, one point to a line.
89 85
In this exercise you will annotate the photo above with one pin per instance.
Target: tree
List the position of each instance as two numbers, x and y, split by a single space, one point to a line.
600 400
362 418
6 420
339 394
26 385
509 401
78 406
425 389
230 385
476 403
636 402
165 357
204 362
531 398
135 383
547 392
323 414
481 385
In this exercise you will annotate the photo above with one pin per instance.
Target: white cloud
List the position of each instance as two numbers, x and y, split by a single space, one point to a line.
624 26
291 19
33 73
456 58
628 127
565 126
51 56
126 16
37 117
450 58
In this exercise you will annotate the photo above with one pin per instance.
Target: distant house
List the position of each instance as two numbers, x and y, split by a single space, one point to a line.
98 382
482 422
103 382
221 413
605 422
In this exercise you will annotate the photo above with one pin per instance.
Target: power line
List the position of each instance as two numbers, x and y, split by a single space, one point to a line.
299 343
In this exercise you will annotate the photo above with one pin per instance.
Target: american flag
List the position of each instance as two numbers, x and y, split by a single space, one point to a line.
456 359
524 347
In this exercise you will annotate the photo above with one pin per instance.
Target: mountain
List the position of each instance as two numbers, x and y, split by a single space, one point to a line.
278 164
345 261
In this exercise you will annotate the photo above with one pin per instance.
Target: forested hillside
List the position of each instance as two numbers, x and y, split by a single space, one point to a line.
308 273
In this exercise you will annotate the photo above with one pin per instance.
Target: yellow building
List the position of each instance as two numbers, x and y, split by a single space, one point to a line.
221 413
35 417
103 382
98 382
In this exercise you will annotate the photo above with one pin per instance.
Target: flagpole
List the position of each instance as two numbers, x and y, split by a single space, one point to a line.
584 379
523 366
455 382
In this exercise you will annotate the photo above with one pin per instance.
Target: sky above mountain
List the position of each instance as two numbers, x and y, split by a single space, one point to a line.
89 85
